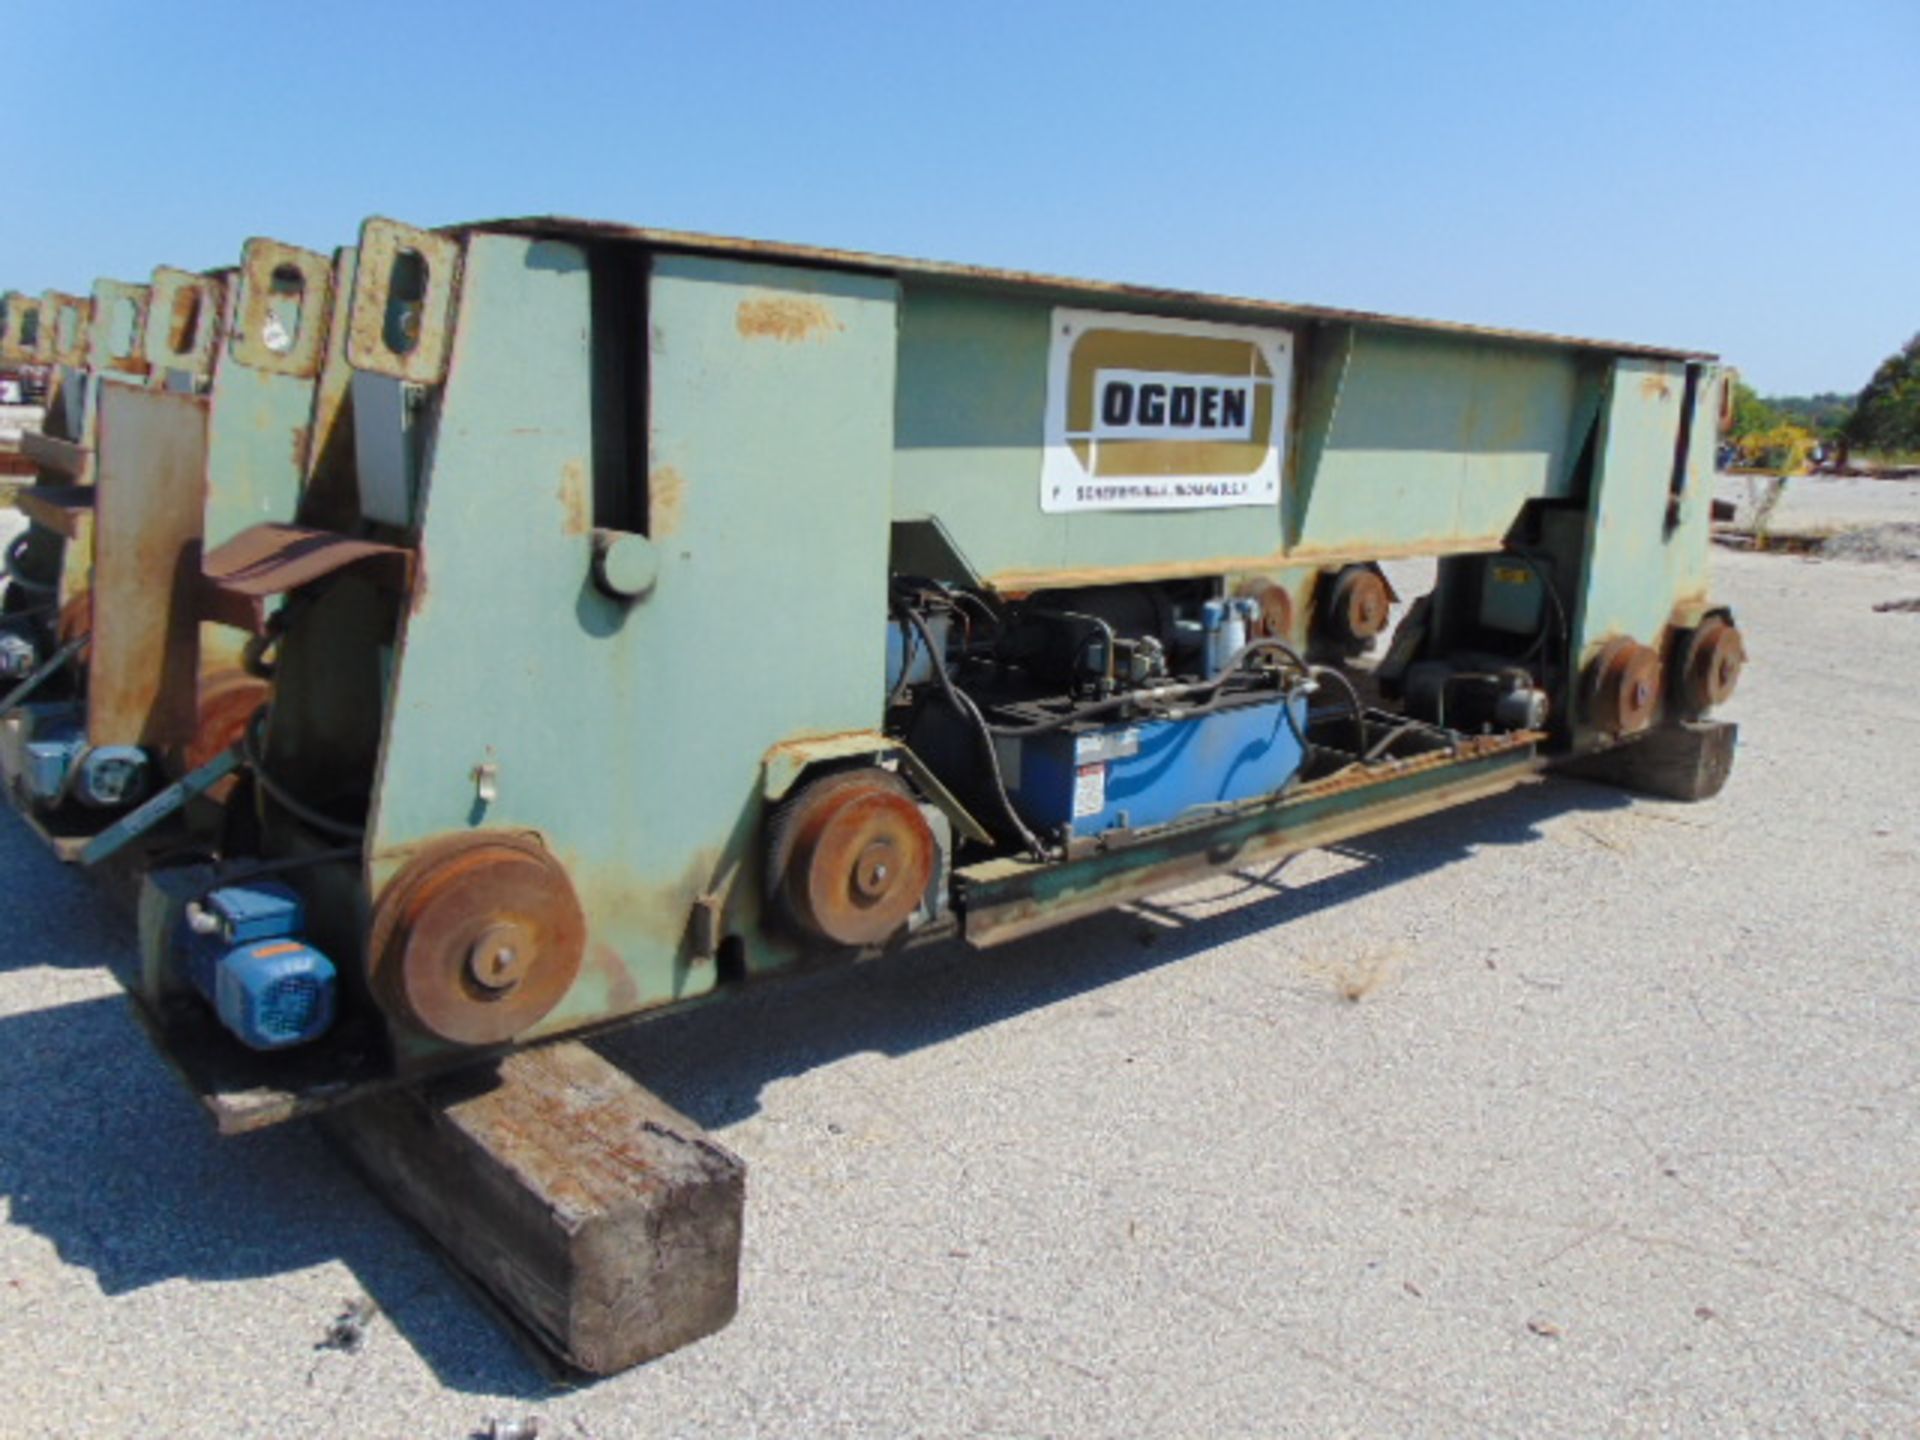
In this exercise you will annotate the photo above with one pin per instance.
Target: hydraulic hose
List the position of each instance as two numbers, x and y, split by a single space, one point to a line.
14 553
969 711
1208 688
241 874
1353 695
306 814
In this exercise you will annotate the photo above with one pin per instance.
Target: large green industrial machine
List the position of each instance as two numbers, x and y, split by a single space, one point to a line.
685 609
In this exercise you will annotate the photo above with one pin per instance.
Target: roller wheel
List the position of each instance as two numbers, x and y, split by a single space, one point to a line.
477 939
1357 607
1275 620
1710 664
849 858
1624 687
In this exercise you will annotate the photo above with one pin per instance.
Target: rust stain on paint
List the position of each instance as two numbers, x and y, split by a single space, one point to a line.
787 318
574 499
666 501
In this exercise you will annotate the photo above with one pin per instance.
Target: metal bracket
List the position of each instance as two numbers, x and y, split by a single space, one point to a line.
131 827
22 315
262 338
110 344
65 322
706 926
783 766
184 315
402 319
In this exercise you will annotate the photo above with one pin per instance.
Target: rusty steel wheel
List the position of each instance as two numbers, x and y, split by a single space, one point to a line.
1710 665
477 939
1624 686
1275 620
1357 606
228 702
849 857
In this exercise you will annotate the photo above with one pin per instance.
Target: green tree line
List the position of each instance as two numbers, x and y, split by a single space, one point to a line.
1884 418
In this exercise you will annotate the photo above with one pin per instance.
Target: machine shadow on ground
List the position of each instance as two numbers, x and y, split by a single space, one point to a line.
714 1062
103 1155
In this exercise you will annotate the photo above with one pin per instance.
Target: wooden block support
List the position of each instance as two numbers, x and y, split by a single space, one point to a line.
606 1224
1688 761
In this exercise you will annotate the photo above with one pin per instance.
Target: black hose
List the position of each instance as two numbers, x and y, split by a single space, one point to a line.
253 655
1532 562
969 711
908 643
261 868
1306 745
1359 708
300 811
1100 628
1209 688
14 553
1386 742
987 610
1255 647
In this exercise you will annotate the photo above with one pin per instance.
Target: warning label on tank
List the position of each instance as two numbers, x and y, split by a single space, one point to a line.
1089 791
1146 413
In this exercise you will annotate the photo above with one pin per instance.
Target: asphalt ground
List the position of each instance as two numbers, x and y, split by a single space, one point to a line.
1566 1113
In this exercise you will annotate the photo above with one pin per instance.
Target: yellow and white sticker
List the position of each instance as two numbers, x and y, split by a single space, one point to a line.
1146 413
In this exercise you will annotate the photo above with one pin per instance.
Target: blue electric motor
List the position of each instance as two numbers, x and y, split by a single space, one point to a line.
59 765
244 954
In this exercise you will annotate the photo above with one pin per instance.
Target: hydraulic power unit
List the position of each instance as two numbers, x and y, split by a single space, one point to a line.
1085 778
687 608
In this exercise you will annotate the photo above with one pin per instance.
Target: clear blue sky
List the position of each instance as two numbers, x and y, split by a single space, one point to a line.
1733 177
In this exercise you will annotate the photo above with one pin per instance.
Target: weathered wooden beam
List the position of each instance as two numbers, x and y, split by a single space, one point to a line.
1689 761
605 1223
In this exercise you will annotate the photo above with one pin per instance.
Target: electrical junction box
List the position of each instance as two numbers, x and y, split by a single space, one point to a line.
1510 596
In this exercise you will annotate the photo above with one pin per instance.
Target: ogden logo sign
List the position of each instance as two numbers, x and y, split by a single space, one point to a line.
1152 414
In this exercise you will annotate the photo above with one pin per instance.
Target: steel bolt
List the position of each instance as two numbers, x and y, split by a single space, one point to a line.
496 960
873 870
